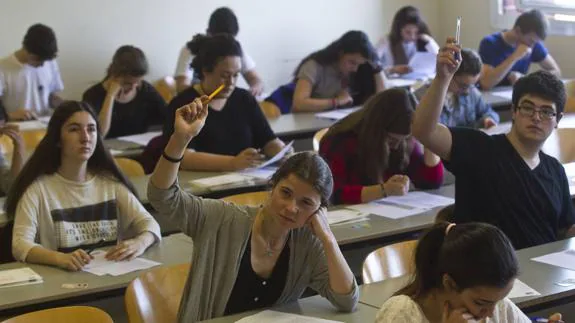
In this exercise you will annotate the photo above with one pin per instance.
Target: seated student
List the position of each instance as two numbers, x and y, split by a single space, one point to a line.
71 195
463 273
125 103
363 173
30 77
464 105
506 179
344 73
507 55
222 21
236 135
7 174
409 35
250 257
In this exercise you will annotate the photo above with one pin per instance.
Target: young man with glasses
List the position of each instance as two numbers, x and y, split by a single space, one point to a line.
464 106
505 180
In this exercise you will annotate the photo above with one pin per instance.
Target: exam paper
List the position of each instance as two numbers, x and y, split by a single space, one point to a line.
507 94
280 317
423 63
336 114
344 215
386 210
563 259
19 277
520 289
421 200
261 173
220 180
141 139
101 266
277 157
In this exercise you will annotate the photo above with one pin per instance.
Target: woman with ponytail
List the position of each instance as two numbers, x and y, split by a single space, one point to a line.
463 273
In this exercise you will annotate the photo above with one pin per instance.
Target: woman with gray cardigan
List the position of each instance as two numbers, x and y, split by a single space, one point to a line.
246 257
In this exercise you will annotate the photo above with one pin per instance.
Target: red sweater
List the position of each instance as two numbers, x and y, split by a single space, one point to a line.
340 152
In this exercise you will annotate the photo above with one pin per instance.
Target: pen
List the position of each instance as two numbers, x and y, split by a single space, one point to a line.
458 36
544 320
95 246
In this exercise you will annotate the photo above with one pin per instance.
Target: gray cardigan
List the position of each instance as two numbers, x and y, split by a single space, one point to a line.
220 232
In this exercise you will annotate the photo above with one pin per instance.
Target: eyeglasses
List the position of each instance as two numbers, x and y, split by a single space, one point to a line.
529 111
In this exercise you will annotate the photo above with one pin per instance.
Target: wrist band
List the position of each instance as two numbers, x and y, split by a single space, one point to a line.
171 159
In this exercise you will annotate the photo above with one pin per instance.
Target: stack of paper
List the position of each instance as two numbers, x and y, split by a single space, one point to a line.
277 157
520 289
280 317
221 180
261 173
19 277
336 114
101 266
344 216
563 259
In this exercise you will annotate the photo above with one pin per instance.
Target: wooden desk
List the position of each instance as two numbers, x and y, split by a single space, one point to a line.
315 306
497 102
541 277
173 250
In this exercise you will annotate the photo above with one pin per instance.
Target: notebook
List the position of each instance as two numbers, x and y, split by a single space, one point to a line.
19 277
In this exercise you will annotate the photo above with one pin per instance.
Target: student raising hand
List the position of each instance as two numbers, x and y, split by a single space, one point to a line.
190 120
447 65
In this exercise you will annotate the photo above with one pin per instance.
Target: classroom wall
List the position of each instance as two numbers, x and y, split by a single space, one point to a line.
476 24
90 31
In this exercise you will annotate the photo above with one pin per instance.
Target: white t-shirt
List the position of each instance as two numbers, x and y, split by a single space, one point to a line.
59 214
385 54
185 58
23 86
402 309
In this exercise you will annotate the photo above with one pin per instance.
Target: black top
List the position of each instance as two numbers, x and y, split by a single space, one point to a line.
495 185
252 292
239 125
146 109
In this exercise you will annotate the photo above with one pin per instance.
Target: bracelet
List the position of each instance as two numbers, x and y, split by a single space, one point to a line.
171 159
383 190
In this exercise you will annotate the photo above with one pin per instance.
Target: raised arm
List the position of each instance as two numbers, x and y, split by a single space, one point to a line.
426 127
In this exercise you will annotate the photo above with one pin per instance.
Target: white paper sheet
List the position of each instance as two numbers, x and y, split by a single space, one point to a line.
386 210
116 152
30 125
19 277
399 82
277 157
520 289
419 200
141 139
221 180
344 215
336 114
563 259
423 63
261 173
498 129
507 94
101 266
280 317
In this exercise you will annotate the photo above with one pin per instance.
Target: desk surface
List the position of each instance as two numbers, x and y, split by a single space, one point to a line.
168 252
298 125
315 306
539 276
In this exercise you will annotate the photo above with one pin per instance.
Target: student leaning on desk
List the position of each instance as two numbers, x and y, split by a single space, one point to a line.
463 274
252 257
506 179
71 195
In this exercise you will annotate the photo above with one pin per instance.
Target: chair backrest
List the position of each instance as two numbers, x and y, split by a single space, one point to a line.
317 138
155 295
68 314
166 87
129 167
388 262
32 138
270 110
561 145
252 199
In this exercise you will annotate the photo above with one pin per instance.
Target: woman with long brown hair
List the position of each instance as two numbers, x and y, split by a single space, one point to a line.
372 154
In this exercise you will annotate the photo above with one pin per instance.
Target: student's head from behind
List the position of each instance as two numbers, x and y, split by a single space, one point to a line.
472 266
348 52
72 138
40 44
538 101
467 75
407 25
217 61
531 27
128 67
300 186
223 21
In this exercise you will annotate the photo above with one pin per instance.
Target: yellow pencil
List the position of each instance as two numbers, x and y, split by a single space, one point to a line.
216 91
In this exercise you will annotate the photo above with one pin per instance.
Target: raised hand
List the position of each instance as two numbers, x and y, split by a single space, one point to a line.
190 120
447 65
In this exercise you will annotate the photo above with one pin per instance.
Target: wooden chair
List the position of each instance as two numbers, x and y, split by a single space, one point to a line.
389 262
270 110
155 295
166 87
129 167
317 138
68 314
6 145
32 138
252 199
561 145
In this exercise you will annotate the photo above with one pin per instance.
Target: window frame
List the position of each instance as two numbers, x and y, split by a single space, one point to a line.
506 20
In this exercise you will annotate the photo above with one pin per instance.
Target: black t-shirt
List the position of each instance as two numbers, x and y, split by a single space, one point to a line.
146 109
239 125
495 185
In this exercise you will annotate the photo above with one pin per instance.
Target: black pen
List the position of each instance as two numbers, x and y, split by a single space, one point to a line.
95 246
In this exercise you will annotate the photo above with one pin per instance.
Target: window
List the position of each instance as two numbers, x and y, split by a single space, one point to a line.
561 13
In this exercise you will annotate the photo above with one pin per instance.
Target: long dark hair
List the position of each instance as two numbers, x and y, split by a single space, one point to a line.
385 112
208 50
46 158
128 61
407 15
472 254
351 42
